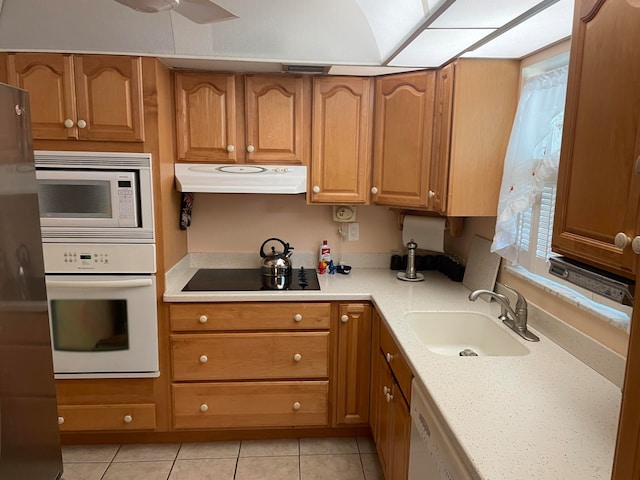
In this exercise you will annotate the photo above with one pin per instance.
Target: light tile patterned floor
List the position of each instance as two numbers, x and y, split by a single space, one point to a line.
346 458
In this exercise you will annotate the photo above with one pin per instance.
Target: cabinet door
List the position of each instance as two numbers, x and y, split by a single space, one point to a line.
439 175
206 117
402 148
401 436
383 434
49 80
109 98
353 368
341 145
277 112
598 184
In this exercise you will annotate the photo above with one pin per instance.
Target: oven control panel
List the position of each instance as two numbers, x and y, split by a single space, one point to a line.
99 258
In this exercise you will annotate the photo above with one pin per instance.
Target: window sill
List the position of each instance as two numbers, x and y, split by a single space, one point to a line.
609 315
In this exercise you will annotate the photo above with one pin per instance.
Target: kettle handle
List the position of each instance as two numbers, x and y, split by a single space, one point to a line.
285 245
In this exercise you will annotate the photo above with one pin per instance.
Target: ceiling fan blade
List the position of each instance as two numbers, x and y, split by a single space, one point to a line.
203 11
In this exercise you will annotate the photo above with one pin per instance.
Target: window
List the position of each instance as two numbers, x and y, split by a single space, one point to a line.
526 208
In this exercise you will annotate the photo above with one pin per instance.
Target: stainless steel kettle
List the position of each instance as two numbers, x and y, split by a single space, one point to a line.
276 264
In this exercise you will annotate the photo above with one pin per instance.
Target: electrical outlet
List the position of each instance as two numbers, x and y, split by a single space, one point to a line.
353 234
344 213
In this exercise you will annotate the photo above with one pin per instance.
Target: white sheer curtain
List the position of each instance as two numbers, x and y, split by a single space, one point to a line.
532 155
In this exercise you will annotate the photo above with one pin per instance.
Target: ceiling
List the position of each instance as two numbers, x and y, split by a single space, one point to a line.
366 37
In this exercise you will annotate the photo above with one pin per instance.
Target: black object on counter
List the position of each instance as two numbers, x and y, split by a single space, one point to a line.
246 280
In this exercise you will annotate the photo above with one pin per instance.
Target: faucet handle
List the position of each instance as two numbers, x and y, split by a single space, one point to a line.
521 302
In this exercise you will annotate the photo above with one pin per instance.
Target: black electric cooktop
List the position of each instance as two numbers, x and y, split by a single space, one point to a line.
249 280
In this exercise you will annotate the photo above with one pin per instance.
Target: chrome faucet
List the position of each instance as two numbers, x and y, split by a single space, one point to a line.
518 320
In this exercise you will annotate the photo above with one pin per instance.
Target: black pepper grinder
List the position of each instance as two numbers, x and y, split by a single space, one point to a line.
410 275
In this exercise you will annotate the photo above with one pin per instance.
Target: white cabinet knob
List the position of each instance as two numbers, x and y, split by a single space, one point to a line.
230 148
128 419
250 148
203 359
432 194
60 420
374 190
316 189
385 390
297 317
204 407
344 318
621 240
296 405
635 245
389 357
203 319
297 357
389 397
68 123
82 124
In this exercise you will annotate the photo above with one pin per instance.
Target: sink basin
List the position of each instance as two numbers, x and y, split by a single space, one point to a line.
449 333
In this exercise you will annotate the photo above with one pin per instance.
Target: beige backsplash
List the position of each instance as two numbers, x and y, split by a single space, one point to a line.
240 223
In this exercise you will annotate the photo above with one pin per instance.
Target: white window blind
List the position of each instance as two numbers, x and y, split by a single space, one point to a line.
535 228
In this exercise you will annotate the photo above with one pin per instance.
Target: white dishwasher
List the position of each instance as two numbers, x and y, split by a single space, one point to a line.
432 455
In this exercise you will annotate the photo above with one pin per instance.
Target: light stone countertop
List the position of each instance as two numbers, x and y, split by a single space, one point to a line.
545 415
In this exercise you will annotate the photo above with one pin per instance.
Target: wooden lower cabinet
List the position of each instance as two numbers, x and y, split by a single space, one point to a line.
250 365
245 356
250 404
391 419
351 378
78 418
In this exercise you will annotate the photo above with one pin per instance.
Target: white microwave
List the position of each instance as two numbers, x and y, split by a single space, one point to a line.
95 197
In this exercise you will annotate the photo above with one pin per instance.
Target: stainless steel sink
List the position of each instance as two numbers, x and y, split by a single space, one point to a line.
450 333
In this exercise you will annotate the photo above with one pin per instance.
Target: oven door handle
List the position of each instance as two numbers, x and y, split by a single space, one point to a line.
141 282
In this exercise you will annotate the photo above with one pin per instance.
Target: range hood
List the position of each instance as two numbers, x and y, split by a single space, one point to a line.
198 177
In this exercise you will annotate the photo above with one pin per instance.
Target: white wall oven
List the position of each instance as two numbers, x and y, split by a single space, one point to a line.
96 213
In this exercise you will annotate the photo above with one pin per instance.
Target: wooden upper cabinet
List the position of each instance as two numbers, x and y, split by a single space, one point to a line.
206 117
227 118
86 97
341 140
476 102
598 182
404 106
277 119
439 175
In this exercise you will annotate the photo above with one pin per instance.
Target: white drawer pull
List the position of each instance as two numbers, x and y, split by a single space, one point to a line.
128 419
389 397
297 357
385 390
203 319
297 317
60 420
389 357
203 359
68 123
344 318
82 124
251 148
230 148
204 407
296 405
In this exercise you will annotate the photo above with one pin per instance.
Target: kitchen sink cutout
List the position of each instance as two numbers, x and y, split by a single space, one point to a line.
452 333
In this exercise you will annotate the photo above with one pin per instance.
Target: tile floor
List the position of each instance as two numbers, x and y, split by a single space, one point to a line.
348 458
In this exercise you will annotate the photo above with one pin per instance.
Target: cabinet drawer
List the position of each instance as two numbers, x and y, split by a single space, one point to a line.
74 418
244 356
253 316
250 404
396 360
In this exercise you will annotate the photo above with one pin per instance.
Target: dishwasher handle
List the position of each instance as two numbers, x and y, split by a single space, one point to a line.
131 283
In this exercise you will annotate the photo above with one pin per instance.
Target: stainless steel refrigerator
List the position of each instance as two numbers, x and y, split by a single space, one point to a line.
29 435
